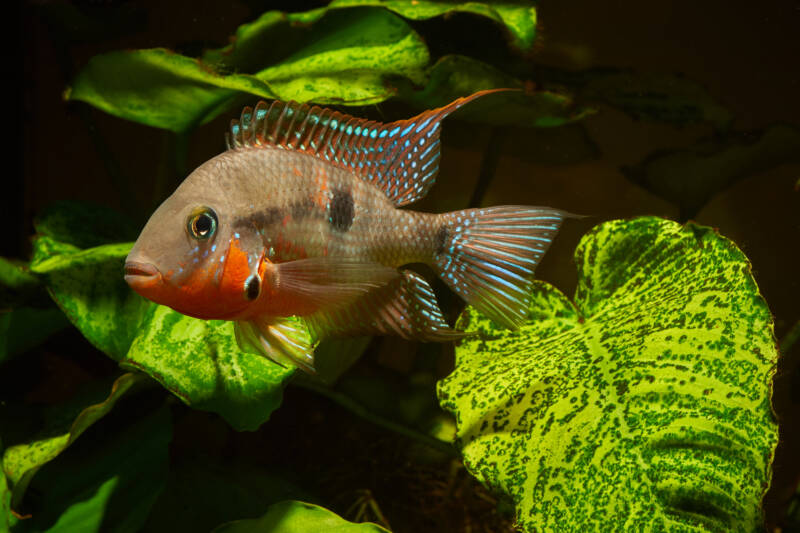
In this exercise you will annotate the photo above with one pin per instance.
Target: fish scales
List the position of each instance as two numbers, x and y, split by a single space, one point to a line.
302 206
296 233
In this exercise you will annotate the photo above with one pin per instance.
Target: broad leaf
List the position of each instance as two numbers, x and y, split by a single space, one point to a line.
199 361
454 76
106 483
656 97
643 405
689 178
517 18
344 60
297 517
22 461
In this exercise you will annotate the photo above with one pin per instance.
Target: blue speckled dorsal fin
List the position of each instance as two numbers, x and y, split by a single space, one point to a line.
401 158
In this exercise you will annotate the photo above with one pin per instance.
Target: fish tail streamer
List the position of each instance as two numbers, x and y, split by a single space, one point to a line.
488 256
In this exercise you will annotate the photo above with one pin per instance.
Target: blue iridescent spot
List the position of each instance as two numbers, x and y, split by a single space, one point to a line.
408 129
236 235
394 131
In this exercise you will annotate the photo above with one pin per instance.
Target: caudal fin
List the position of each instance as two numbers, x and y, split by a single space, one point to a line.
488 255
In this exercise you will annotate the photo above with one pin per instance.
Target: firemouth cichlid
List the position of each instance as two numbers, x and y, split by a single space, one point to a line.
299 218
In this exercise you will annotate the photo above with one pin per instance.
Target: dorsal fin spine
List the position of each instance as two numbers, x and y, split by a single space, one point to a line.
400 157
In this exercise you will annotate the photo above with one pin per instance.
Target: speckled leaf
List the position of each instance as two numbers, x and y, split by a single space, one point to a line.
197 360
297 517
689 178
644 405
106 483
22 461
158 87
517 18
344 60
88 286
200 362
454 76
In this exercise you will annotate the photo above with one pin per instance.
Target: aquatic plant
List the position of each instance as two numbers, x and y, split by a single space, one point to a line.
642 403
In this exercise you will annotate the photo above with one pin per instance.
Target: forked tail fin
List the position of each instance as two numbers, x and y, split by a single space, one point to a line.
488 255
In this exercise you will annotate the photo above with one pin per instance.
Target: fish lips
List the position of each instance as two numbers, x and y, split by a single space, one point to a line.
141 276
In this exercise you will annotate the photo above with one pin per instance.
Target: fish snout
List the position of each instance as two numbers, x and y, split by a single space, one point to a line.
141 275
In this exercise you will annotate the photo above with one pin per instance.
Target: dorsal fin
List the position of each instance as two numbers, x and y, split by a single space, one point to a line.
401 158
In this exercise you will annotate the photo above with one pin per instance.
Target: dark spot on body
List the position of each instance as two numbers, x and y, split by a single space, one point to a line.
341 211
252 287
261 219
302 208
441 239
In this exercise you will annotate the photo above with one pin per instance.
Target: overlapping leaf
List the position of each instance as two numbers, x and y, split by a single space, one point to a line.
22 461
197 360
106 483
297 517
344 53
454 76
689 178
643 405
344 60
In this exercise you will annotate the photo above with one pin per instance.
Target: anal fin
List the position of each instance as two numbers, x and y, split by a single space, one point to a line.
406 306
284 340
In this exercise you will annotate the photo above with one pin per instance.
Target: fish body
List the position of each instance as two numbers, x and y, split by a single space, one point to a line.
301 217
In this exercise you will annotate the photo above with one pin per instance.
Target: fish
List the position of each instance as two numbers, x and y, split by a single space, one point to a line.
296 233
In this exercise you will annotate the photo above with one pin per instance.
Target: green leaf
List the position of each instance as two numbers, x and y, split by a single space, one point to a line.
344 60
517 18
106 483
7 518
299 517
454 76
690 178
158 88
197 360
84 225
22 461
646 402
18 286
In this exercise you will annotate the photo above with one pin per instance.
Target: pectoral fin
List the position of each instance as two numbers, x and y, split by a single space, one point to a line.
286 341
322 283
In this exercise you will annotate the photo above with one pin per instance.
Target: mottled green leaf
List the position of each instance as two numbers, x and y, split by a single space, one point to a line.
18 286
158 87
454 76
517 18
22 461
201 363
104 484
197 360
643 405
88 286
690 178
297 517
84 225
344 60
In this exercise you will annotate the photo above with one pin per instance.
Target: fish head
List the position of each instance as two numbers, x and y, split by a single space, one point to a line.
190 258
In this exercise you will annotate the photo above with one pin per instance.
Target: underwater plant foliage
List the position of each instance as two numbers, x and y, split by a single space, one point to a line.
645 401
642 403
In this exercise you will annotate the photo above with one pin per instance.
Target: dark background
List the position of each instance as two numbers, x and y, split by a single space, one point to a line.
746 54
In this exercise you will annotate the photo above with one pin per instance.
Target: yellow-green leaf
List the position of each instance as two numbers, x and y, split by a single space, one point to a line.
643 404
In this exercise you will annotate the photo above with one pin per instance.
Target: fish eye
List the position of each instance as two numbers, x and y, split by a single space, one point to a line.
202 223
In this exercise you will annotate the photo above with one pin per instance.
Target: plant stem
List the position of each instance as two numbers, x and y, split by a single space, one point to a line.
361 411
488 165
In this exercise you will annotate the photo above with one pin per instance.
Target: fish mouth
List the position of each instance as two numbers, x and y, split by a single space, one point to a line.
141 274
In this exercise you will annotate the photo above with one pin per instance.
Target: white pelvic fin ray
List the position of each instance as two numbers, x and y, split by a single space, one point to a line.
405 307
286 341
488 256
